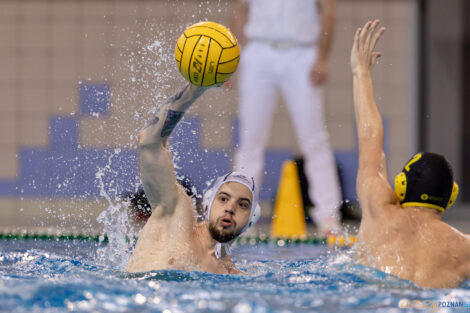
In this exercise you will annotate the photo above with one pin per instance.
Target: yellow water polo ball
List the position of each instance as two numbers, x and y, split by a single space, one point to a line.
207 54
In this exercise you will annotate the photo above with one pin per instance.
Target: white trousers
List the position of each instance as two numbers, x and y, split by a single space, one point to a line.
264 72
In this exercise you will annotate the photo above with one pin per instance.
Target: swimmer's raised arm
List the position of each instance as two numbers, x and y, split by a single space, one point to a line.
372 185
157 168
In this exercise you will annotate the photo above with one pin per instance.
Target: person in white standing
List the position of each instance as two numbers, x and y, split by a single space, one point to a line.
285 50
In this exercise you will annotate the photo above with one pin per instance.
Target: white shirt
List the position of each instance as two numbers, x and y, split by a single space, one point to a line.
295 21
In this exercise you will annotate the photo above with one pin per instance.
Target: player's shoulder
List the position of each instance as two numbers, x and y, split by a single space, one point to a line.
453 238
459 245
383 219
389 211
374 190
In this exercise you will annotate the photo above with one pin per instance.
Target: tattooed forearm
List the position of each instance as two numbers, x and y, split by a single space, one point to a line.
172 118
169 114
167 103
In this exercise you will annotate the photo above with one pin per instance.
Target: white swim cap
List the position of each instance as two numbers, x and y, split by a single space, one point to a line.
210 194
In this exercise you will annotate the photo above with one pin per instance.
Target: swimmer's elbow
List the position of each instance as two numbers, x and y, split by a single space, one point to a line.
143 138
147 139
370 139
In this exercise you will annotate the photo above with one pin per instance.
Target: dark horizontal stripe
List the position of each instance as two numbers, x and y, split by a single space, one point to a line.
83 237
216 31
230 60
210 38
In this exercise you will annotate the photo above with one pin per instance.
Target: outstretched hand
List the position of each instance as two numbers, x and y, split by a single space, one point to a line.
363 55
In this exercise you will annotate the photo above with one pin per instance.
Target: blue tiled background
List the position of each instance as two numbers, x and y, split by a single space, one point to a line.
93 98
64 169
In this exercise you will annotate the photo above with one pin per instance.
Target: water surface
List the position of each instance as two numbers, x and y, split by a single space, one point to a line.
79 276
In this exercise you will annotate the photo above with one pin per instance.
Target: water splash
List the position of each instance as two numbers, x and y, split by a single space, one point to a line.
117 226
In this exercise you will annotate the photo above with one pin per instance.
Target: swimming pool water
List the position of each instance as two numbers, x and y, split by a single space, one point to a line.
76 276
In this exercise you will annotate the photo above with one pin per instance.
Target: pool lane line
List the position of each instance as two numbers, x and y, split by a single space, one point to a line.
245 240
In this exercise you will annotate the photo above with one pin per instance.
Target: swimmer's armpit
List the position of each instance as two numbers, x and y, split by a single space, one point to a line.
172 118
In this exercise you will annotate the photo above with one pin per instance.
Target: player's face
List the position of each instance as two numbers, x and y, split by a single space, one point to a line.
230 211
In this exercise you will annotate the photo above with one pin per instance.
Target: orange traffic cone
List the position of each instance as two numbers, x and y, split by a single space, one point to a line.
289 217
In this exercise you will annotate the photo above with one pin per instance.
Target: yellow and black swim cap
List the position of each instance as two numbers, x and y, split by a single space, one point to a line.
427 180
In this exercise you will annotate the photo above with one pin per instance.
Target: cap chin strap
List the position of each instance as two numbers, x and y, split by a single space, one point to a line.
218 249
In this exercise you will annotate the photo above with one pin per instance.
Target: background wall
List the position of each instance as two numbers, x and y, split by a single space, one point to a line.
78 79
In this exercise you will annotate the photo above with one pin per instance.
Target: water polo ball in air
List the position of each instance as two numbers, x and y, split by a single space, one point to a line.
207 54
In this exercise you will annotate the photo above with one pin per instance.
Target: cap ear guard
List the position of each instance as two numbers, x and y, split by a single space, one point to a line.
400 186
400 179
453 195
400 189
255 217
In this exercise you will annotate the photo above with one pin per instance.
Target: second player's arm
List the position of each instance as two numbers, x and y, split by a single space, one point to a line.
373 188
156 163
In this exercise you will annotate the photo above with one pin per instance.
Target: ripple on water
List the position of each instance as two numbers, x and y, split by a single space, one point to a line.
47 278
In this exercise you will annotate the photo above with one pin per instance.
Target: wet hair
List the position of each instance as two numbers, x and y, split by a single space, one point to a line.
429 180
140 205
